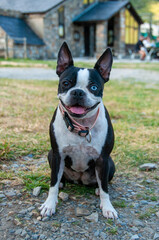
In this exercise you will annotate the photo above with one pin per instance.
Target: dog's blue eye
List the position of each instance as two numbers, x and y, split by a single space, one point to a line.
93 87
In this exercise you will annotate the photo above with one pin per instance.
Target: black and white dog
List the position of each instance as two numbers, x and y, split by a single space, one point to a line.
81 132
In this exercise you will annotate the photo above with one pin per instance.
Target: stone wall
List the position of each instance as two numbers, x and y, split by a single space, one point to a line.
119 33
33 52
101 37
51 35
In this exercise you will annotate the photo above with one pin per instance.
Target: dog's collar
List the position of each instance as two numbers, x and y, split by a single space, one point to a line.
74 126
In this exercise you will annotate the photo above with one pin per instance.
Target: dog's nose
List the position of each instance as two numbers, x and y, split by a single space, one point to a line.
78 93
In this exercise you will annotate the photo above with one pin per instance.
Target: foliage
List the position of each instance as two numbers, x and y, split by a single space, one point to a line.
146 6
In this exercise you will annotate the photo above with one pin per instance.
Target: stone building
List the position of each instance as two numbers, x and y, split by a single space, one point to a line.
88 26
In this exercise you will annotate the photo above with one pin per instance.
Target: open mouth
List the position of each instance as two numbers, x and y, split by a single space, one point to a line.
77 110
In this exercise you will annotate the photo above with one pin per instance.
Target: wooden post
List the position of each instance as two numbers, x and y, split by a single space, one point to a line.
6 46
25 48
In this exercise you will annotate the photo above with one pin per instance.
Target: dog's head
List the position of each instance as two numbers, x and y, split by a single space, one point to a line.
80 89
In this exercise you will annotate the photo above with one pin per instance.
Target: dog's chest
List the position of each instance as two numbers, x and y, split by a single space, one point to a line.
80 156
77 148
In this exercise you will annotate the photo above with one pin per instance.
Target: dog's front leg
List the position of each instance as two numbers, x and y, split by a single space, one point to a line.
102 175
57 167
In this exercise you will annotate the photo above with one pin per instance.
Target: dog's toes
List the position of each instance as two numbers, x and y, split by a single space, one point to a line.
48 208
110 213
97 191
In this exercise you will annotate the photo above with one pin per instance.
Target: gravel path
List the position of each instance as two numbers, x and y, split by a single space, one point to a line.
134 197
49 74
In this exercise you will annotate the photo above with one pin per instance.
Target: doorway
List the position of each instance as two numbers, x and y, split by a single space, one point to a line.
110 38
89 40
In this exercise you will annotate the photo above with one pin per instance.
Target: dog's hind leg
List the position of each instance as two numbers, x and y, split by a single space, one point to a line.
111 168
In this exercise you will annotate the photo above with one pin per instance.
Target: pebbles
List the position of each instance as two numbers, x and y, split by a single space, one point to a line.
78 216
80 212
93 217
36 191
63 196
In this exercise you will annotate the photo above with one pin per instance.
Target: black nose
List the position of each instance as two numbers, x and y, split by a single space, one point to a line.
78 93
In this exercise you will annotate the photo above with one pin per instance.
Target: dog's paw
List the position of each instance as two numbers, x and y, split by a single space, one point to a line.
48 208
108 211
97 191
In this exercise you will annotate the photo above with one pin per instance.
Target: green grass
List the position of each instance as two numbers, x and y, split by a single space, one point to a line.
52 64
27 108
148 213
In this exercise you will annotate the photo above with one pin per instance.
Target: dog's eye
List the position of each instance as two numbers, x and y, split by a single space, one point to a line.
65 83
93 87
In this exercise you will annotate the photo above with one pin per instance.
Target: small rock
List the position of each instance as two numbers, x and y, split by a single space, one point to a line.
10 213
96 234
148 166
93 217
134 237
138 223
45 219
156 236
134 229
79 212
42 236
23 212
11 193
103 235
30 209
18 232
23 233
2 195
157 214
27 237
17 222
63 196
39 218
35 236
36 191
15 165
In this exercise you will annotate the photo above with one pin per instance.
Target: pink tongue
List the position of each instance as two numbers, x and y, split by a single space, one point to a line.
77 110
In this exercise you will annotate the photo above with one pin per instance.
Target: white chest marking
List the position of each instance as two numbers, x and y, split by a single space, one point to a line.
72 145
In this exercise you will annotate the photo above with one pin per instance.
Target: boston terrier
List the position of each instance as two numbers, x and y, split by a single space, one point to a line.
81 132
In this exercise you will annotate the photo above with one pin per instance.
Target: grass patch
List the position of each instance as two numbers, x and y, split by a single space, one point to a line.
119 204
26 108
78 190
35 180
52 64
148 213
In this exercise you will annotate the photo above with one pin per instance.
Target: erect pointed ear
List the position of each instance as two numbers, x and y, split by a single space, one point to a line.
104 64
64 59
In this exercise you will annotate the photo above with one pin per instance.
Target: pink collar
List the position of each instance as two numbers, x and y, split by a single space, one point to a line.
74 126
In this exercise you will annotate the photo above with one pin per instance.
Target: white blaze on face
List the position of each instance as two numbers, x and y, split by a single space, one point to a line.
82 79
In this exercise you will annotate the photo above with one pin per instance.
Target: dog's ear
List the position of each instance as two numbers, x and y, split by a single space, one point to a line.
104 64
64 59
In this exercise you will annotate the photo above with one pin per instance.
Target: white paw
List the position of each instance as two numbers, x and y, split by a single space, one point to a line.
97 191
48 208
108 211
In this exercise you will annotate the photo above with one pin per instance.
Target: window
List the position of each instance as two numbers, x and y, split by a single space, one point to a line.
87 2
61 22
131 31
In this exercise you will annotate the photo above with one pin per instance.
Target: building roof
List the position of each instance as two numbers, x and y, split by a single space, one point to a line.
29 6
102 11
17 28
